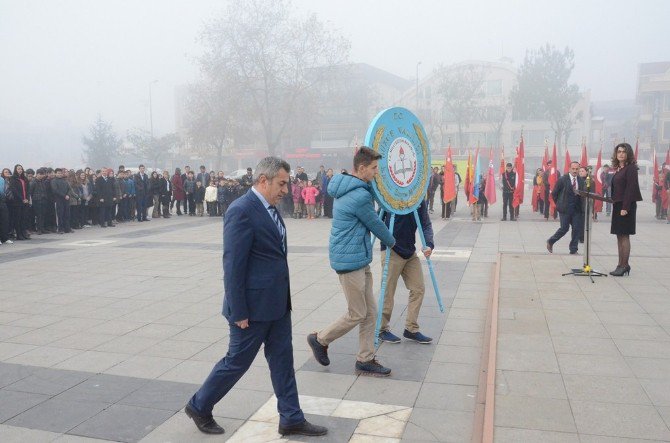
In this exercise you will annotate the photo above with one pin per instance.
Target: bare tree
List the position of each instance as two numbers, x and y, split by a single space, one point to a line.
152 149
497 115
460 88
214 117
543 91
102 145
271 57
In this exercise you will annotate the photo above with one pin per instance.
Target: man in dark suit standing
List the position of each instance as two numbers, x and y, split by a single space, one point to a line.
141 194
569 207
104 191
257 303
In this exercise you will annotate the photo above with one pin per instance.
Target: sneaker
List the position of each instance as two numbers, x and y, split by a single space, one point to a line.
389 337
417 337
372 368
9 242
320 351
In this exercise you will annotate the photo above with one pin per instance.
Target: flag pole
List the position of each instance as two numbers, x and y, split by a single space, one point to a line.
429 261
385 274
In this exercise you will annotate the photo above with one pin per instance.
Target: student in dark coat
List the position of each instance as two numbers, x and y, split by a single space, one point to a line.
104 196
142 194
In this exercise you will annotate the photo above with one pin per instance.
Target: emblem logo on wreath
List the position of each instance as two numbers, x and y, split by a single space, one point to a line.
402 162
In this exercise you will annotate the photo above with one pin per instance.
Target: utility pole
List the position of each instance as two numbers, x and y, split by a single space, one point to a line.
417 87
151 111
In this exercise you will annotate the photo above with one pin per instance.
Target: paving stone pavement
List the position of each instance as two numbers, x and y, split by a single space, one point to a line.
105 334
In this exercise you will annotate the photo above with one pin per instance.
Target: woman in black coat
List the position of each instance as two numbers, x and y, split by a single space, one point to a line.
625 195
18 203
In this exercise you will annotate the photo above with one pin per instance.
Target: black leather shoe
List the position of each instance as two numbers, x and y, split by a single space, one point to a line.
206 424
305 428
320 351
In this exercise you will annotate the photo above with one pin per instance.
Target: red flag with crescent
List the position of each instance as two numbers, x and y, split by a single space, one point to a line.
449 183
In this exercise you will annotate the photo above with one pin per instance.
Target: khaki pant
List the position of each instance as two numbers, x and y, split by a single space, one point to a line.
362 312
411 273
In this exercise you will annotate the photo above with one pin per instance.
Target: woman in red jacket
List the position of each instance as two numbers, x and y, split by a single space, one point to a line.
178 190
625 195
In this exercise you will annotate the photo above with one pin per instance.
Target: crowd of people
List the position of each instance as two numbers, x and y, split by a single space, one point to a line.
61 200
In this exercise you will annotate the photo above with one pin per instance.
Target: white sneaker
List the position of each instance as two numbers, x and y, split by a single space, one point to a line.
8 242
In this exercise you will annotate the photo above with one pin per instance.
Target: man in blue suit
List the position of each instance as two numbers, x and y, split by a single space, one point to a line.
569 207
257 303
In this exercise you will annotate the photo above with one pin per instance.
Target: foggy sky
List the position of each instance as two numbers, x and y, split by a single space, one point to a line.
64 62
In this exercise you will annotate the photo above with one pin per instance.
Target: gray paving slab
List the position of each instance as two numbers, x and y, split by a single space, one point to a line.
158 394
122 423
608 339
48 381
103 388
57 415
13 403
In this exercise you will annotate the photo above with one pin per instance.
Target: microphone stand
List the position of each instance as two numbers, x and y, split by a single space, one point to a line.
587 270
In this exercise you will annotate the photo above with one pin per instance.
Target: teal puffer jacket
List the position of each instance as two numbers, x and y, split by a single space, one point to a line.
354 218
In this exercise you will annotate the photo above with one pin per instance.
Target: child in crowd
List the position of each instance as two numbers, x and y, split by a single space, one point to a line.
297 198
210 198
199 196
309 194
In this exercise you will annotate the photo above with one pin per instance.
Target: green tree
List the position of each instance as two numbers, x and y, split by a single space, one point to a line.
544 91
101 145
460 88
271 58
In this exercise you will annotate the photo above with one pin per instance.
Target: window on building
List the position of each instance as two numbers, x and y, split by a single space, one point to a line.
494 88
666 131
666 104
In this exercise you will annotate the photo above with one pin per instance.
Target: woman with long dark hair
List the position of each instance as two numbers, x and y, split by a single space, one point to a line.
18 203
625 195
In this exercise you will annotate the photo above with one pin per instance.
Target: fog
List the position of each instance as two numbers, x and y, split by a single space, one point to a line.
65 62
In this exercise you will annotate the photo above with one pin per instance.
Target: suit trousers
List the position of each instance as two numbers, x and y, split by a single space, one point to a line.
411 273
244 345
362 312
141 207
105 215
569 220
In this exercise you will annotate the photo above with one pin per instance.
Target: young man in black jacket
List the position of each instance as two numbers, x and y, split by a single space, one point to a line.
508 185
61 192
405 262
39 195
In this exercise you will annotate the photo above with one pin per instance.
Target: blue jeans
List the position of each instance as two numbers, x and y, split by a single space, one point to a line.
569 220
243 347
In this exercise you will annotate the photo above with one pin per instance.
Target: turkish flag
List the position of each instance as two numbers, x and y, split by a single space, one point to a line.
566 166
598 204
490 189
520 176
449 183
585 159
553 178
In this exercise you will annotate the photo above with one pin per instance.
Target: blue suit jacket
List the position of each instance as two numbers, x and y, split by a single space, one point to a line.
255 267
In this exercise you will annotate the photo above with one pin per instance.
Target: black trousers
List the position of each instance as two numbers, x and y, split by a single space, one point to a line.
105 215
17 219
508 197
4 222
40 210
191 203
63 214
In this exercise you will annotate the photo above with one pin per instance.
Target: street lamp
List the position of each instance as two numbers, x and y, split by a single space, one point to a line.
417 86
151 111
